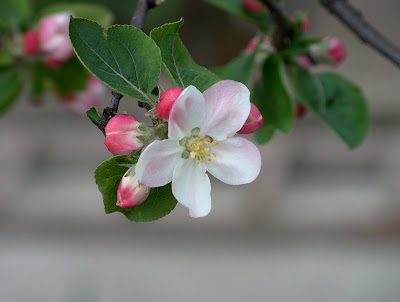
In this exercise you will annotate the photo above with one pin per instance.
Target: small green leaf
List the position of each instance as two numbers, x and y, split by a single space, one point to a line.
13 12
124 57
6 59
339 103
93 12
235 7
10 86
240 69
94 115
180 66
108 176
264 134
277 104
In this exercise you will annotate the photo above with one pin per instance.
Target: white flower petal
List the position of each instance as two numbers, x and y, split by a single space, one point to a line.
157 163
227 106
237 161
188 112
191 187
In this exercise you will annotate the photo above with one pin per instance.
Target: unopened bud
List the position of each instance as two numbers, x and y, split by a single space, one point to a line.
331 50
253 122
31 44
130 193
53 36
304 61
301 111
125 134
167 100
253 5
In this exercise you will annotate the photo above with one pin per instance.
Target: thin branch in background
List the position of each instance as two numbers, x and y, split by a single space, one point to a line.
137 21
354 20
283 32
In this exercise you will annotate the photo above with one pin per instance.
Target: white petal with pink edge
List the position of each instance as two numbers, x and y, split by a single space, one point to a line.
237 161
191 187
227 105
157 163
187 113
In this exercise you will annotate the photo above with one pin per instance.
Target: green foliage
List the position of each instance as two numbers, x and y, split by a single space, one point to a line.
339 103
94 115
10 86
262 19
276 102
123 57
13 12
93 12
264 134
240 69
183 71
108 176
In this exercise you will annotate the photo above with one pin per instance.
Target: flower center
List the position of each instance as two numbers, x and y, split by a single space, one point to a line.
198 147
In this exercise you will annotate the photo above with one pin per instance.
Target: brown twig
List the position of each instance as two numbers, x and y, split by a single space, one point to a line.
354 20
283 31
137 21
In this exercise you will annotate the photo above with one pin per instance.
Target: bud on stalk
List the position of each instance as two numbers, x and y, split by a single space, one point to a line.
253 122
167 100
130 193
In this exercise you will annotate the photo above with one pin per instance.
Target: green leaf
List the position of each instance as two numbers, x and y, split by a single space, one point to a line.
10 86
276 103
13 12
108 176
94 115
339 103
70 77
235 7
180 66
93 12
264 134
124 57
6 59
240 69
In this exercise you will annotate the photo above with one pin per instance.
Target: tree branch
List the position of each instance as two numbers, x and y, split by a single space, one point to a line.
137 21
283 32
354 20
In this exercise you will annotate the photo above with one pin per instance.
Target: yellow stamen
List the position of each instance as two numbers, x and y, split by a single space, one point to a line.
197 162
209 159
215 155
193 154
216 143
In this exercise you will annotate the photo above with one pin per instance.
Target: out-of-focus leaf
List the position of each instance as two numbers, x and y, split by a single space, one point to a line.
13 12
10 86
240 69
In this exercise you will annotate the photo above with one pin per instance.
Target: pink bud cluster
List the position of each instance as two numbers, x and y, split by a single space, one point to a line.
253 5
130 193
50 39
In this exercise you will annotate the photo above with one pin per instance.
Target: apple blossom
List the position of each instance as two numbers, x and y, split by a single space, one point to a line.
200 139
130 193
336 49
31 45
79 102
303 61
253 122
167 99
53 37
123 134
253 5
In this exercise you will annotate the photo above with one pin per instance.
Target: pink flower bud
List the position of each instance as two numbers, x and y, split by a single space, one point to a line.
252 44
304 61
31 45
54 38
301 111
253 5
130 193
52 62
253 122
336 49
122 133
305 25
167 99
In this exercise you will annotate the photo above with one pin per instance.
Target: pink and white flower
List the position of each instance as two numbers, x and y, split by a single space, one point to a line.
200 139
130 193
167 100
53 37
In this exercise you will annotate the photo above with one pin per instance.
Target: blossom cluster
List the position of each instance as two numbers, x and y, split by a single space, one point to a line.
201 129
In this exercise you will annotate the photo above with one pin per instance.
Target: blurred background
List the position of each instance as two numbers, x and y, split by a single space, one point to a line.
321 223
